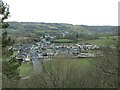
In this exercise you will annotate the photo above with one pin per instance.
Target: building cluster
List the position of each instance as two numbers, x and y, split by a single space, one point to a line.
44 49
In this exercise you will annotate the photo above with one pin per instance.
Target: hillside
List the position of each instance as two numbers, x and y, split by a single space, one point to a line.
40 28
102 29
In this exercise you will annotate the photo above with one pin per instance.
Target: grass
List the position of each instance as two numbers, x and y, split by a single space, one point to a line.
84 63
62 41
25 69
100 42
43 31
0 59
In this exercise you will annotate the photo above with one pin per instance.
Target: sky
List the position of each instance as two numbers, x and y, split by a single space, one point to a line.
77 12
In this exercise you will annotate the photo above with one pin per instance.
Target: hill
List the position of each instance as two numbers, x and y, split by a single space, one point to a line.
36 29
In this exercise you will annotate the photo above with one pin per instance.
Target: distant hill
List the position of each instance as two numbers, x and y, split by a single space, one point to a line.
33 28
102 29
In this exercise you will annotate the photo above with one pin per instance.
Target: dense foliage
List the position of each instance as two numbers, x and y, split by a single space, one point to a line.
10 73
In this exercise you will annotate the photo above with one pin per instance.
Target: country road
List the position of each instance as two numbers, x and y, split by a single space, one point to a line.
37 63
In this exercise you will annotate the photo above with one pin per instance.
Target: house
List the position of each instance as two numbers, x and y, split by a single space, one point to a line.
84 55
23 56
44 43
61 50
19 57
40 56
27 59
10 47
74 51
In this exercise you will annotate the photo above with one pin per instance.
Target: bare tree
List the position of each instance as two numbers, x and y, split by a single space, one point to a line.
105 68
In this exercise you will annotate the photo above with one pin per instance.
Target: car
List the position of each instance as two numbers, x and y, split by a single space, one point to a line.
44 54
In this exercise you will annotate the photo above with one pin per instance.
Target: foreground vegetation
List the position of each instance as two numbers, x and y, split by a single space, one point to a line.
99 72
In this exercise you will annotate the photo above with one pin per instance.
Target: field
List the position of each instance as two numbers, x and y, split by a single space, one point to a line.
25 69
101 41
62 41
84 63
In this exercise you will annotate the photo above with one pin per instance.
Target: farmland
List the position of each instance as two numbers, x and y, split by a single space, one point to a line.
101 41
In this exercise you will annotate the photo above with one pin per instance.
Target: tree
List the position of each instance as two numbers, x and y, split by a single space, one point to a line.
105 68
4 11
10 73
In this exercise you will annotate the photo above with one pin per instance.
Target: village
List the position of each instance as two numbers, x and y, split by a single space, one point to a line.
43 49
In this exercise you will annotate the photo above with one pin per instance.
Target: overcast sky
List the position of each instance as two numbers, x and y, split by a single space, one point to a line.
87 12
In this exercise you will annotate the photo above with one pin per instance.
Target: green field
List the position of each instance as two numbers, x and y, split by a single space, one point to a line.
101 41
62 41
25 69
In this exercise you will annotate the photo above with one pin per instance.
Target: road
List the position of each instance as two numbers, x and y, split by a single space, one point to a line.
37 63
